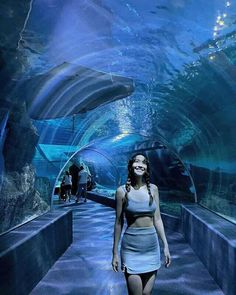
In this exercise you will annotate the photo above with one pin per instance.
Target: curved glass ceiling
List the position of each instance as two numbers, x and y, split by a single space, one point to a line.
115 74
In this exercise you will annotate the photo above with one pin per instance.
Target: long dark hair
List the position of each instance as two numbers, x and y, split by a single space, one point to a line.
131 178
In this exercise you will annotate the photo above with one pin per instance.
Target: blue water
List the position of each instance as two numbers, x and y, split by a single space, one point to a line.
180 56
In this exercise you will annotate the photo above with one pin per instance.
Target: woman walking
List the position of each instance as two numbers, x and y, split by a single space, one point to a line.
138 201
68 184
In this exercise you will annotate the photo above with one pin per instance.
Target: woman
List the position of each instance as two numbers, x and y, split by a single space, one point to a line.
68 184
138 200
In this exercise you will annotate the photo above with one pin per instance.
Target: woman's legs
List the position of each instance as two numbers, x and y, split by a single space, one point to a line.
134 284
140 284
69 193
66 195
79 192
148 280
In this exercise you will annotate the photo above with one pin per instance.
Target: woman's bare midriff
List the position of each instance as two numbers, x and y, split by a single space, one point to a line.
142 221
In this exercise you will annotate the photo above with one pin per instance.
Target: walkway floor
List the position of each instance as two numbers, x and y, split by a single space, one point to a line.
85 268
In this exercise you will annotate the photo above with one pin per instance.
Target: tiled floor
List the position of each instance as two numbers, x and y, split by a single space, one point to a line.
85 268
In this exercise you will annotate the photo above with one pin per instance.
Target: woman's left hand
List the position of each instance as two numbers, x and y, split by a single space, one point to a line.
167 256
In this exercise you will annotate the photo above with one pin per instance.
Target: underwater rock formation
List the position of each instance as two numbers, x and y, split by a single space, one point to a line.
43 186
21 139
20 201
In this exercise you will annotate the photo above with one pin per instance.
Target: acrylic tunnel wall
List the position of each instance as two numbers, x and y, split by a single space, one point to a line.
106 162
94 81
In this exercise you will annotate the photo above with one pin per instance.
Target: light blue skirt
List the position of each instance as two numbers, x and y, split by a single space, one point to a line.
140 250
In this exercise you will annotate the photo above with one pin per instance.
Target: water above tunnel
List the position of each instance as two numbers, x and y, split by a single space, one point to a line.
163 72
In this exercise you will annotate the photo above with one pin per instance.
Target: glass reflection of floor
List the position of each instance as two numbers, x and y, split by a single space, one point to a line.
85 268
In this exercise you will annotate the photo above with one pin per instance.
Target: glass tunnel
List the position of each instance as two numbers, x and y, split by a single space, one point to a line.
155 78
93 82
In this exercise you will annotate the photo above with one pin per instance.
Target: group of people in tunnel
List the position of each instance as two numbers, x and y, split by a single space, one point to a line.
75 181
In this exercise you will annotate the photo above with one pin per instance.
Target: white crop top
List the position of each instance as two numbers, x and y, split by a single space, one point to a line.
137 208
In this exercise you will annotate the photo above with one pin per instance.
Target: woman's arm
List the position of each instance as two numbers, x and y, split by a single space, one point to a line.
119 221
160 227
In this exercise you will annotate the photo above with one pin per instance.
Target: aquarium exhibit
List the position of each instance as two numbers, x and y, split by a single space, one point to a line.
91 83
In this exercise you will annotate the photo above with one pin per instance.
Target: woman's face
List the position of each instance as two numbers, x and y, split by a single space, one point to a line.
139 165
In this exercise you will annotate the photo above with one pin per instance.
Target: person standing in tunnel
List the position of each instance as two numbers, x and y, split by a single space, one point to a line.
74 170
68 184
138 201
82 184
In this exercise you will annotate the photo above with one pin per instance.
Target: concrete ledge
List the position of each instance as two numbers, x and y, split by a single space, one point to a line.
169 221
214 241
28 252
101 199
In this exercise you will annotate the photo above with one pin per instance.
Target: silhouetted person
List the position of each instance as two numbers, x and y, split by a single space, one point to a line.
62 191
74 170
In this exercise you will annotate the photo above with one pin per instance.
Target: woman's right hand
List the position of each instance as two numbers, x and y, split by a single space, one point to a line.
115 262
